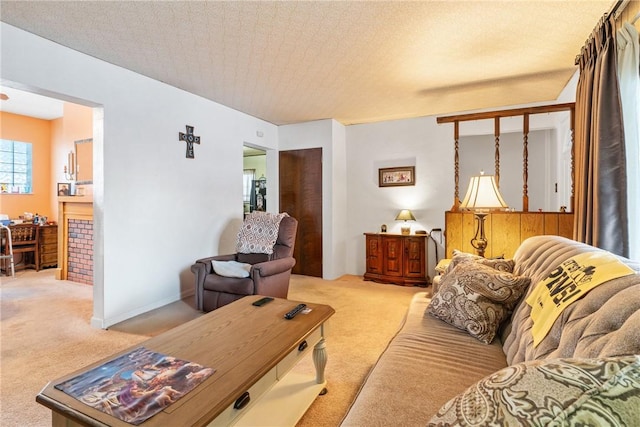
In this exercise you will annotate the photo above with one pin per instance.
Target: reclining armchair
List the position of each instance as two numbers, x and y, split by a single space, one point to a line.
269 274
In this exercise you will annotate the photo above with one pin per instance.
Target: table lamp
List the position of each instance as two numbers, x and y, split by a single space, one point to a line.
482 196
405 215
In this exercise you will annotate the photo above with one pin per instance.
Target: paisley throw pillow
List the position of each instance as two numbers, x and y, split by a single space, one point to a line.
477 298
555 392
500 264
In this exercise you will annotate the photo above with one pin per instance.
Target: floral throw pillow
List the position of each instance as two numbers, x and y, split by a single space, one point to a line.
477 298
555 392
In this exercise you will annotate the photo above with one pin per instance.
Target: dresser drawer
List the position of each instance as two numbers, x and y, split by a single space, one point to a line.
295 355
263 385
48 259
49 234
49 248
52 240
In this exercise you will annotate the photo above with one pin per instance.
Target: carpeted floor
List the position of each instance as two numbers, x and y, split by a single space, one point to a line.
45 333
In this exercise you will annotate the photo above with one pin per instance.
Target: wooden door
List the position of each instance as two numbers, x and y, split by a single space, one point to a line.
301 197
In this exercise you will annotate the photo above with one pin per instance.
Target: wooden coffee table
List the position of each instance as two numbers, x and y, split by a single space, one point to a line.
252 350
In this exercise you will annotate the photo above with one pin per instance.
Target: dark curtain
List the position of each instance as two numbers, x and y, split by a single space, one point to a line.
600 174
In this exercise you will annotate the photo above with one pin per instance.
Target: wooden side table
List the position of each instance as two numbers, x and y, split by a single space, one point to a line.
397 258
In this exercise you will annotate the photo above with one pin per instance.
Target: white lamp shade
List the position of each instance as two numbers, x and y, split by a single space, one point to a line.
483 193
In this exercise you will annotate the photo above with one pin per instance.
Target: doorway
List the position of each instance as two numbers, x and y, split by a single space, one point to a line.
72 124
301 197
254 181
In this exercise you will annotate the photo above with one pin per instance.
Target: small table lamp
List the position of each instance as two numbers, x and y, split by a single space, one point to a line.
405 215
482 196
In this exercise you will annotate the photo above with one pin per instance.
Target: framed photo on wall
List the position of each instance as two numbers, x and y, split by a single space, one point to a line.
394 177
63 189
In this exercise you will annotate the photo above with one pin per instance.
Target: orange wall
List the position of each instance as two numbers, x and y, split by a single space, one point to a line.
78 121
52 140
76 124
38 132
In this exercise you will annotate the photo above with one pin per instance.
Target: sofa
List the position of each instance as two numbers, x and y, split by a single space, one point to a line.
434 373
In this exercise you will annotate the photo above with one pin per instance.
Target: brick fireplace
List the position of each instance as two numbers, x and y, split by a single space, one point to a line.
75 239
80 252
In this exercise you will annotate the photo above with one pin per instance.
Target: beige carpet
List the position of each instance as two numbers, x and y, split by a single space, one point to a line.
45 333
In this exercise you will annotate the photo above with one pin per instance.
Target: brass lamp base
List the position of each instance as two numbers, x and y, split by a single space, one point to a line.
479 241
405 230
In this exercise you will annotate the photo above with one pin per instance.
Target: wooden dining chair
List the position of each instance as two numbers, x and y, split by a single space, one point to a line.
24 240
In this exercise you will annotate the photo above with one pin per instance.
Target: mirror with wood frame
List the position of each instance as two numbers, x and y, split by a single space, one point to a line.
84 161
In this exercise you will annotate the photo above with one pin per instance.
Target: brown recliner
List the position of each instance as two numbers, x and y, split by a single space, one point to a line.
269 274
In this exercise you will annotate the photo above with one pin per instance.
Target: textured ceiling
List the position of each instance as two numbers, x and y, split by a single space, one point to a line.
356 62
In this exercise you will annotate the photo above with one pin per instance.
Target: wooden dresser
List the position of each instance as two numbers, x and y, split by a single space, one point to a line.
48 241
397 258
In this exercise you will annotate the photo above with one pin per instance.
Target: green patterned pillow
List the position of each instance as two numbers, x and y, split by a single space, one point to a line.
556 392
477 298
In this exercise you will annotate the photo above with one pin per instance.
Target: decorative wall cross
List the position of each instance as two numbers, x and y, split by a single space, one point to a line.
190 138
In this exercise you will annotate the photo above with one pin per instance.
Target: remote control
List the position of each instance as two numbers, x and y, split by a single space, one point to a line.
262 301
297 309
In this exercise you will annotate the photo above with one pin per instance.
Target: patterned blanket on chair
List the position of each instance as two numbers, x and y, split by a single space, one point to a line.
259 233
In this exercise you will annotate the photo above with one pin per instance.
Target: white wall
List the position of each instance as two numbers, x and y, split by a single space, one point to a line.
422 143
418 142
557 150
477 153
257 163
155 211
339 209
330 136
562 123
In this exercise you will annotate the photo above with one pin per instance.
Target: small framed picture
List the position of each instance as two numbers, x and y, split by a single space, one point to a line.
63 189
394 177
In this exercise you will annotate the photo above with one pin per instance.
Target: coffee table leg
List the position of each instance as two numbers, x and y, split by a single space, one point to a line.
320 360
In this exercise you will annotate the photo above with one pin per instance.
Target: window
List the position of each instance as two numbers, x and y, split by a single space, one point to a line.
248 176
15 167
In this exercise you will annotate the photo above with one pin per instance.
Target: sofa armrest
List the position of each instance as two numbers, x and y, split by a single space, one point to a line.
201 268
269 268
